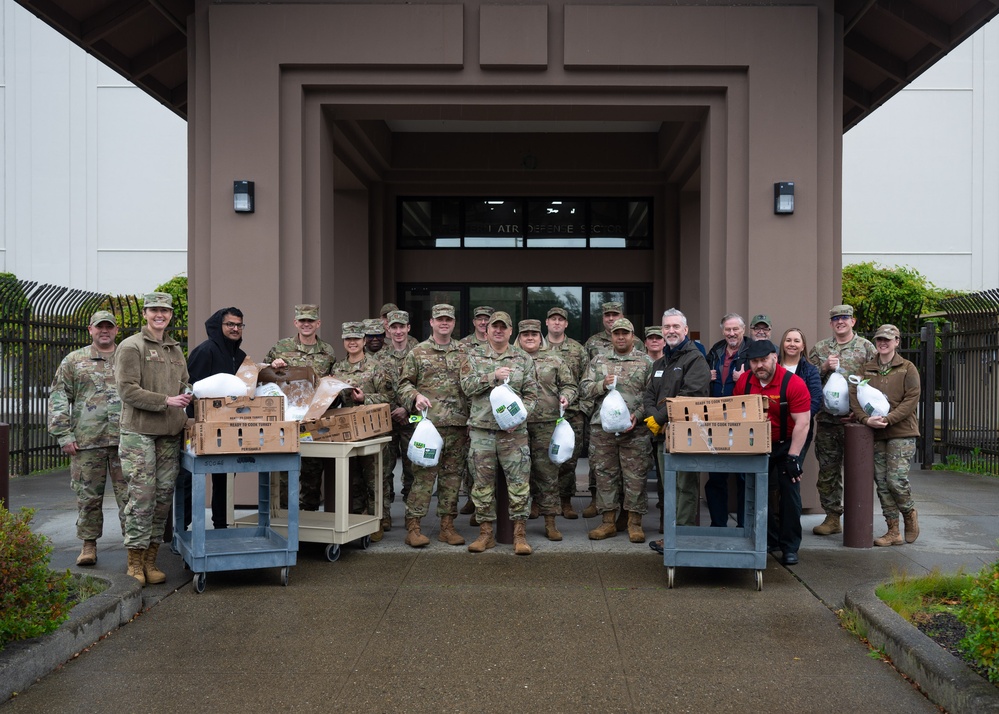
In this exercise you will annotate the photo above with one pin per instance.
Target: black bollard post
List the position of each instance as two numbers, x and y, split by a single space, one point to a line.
858 487
5 465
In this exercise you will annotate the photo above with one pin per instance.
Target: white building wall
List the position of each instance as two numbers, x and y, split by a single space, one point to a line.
921 174
94 187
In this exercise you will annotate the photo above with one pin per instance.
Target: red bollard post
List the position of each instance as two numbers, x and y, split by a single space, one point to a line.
858 487
504 526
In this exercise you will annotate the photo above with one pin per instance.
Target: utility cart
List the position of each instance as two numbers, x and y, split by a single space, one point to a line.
257 545
706 547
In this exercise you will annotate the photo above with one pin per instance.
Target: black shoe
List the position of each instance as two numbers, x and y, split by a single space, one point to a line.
790 559
656 545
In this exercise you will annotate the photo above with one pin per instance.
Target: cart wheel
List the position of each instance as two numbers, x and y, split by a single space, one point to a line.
363 542
333 552
198 582
284 576
759 580
670 572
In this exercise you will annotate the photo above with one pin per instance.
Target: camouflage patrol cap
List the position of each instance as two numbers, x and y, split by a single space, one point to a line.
529 326
653 330
622 323
374 326
352 330
103 316
500 316
387 308
483 310
613 307
398 317
442 310
157 300
837 310
306 312
558 311
888 332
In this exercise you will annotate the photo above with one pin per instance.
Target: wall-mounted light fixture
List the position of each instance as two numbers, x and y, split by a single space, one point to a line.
242 196
784 197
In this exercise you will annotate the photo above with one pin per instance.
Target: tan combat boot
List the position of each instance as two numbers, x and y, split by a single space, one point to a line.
378 534
911 526
892 537
387 522
88 556
567 510
448 534
635 532
535 510
134 568
413 536
154 576
622 521
591 510
829 526
485 539
607 529
551 531
520 546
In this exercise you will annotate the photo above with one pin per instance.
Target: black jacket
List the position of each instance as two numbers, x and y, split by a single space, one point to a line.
681 372
716 358
216 354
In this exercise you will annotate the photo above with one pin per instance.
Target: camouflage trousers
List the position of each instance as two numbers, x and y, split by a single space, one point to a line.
310 484
448 474
892 460
489 451
621 464
567 471
544 474
829 441
89 470
150 465
688 486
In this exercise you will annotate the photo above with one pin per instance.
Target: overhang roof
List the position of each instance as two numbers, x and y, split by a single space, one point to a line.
887 43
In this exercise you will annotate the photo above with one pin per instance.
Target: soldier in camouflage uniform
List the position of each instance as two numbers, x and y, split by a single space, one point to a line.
371 384
429 382
484 368
847 353
393 355
151 375
374 336
556 391
621 461
84 410
388 307
306 349
480 321
574 355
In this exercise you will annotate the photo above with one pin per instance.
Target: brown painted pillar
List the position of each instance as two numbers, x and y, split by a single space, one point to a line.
504 526
858 487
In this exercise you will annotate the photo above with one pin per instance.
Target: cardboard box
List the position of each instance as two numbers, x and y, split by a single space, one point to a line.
721 437
279 437
348 424
742 407
238 409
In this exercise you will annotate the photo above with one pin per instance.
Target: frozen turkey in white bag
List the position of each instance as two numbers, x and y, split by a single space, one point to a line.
614 414
563 441
426 443
872 400
836 395
220 385
508 408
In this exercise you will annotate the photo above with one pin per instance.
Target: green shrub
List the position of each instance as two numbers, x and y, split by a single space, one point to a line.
33 599
980 614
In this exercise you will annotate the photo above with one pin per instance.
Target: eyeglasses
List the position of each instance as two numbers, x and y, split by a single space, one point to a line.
234 325
840 318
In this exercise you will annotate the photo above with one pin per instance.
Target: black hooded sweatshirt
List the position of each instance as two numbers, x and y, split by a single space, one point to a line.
216 354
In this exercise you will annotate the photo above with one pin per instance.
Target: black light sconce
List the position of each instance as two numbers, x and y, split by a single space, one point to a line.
242 196
784 197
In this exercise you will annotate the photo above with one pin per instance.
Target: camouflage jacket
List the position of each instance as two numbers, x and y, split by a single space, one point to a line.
601 342
477 382
574 355
433 370
633 371
319 356
392 360
555 380
369 375
83 401
853 355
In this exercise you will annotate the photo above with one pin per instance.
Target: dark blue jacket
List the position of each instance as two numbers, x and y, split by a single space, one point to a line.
813 380
716 358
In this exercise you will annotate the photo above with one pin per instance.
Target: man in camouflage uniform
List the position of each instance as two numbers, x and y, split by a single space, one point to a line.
393 355
556 391
847 353
151 376
480 321
374 336
429 382
574 355
84 410
306 349
621 461
388 307
484 368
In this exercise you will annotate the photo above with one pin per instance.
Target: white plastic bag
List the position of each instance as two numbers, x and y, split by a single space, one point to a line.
872 400
220 385
508 408
836 395
563 441
426 443
614 414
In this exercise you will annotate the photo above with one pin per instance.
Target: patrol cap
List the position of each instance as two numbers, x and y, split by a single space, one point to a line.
306 312
157 300
612 307
622 323
103 316
529 326
483 310
387 308
398 317
765 319
374 326
442 310
838 310
653 330
760 348
352 330
888 331
500 316
558 311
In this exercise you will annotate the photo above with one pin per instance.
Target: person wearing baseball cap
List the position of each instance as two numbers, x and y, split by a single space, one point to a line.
601 341
83 418
480 321
374 335
760 327
895 433
847 353
393 355
654 342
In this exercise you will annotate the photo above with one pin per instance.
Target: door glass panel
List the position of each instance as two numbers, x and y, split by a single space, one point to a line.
637 307
541 299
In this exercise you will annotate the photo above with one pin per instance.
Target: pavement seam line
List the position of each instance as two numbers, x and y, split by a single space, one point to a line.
604 588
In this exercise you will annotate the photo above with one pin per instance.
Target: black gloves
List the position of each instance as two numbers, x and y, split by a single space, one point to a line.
793 466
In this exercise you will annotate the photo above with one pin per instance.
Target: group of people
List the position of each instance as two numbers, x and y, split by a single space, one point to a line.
120 411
